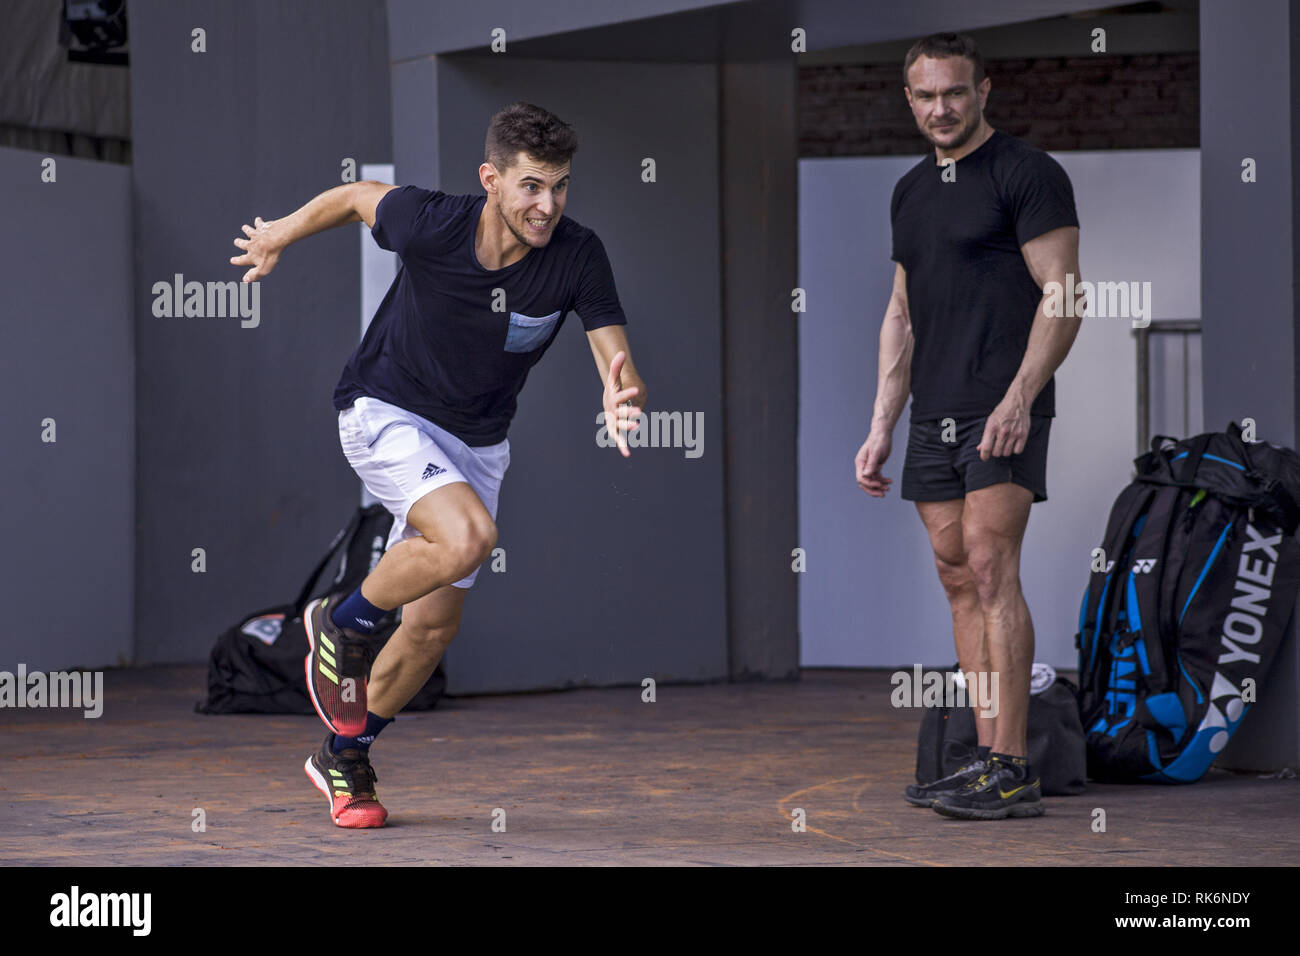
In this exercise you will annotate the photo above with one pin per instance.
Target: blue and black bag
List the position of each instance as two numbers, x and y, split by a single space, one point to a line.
1187 604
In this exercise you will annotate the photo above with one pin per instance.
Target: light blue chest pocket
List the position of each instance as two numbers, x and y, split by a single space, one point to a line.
527 333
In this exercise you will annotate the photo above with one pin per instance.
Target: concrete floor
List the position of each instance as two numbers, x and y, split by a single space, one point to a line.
706 775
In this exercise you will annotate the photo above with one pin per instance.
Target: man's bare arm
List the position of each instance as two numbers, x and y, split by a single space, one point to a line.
894 367
266 240
893 383
606 342
1050 257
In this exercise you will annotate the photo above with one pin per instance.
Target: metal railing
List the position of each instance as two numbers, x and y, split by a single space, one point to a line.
1184 327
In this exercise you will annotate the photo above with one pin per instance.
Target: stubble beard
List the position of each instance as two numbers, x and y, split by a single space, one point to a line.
523 239
963 138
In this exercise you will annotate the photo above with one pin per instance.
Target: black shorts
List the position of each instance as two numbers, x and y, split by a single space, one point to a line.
938 470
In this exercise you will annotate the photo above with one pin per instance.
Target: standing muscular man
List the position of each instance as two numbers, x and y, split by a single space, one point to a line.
977 232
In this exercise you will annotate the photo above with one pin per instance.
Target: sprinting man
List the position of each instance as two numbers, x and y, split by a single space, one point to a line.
977 232
426 400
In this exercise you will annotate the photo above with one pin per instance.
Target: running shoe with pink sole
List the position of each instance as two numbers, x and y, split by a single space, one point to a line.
337 668
348 782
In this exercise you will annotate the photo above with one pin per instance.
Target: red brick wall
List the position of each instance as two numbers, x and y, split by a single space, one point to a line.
1102 102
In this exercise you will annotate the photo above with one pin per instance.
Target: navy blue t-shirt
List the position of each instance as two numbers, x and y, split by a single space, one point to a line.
970 295
437 347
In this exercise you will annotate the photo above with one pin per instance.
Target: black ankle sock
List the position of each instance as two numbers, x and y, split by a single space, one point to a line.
982 753
374 724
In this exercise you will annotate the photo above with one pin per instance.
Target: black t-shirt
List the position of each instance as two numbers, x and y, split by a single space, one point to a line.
969 292
437 346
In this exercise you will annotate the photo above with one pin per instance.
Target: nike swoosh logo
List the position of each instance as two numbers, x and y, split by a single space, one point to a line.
1011 793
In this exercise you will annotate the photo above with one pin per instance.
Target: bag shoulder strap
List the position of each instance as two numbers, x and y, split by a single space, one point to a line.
338 545
1271 485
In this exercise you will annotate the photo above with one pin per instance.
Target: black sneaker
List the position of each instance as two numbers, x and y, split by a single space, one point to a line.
348 782
924 794
337 667
1000 791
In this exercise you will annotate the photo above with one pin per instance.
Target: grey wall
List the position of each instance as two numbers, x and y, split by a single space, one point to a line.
1249 252
833 23
614 568
237 442
871 596
65 338
690 29
421 27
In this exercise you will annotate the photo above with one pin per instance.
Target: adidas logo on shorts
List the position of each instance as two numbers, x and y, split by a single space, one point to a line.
431 471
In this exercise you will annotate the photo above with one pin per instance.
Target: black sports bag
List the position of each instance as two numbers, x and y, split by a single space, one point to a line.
947 739
257 665
1187 604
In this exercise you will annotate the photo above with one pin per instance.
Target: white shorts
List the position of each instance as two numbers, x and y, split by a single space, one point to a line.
401 457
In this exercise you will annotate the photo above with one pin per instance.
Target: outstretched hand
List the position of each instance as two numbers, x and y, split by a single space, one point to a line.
261 249
624 416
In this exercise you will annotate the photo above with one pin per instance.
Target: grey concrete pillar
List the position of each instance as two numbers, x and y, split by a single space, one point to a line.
759 178
1250 67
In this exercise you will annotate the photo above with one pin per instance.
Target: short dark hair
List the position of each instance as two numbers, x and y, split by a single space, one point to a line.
939 46
545 137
